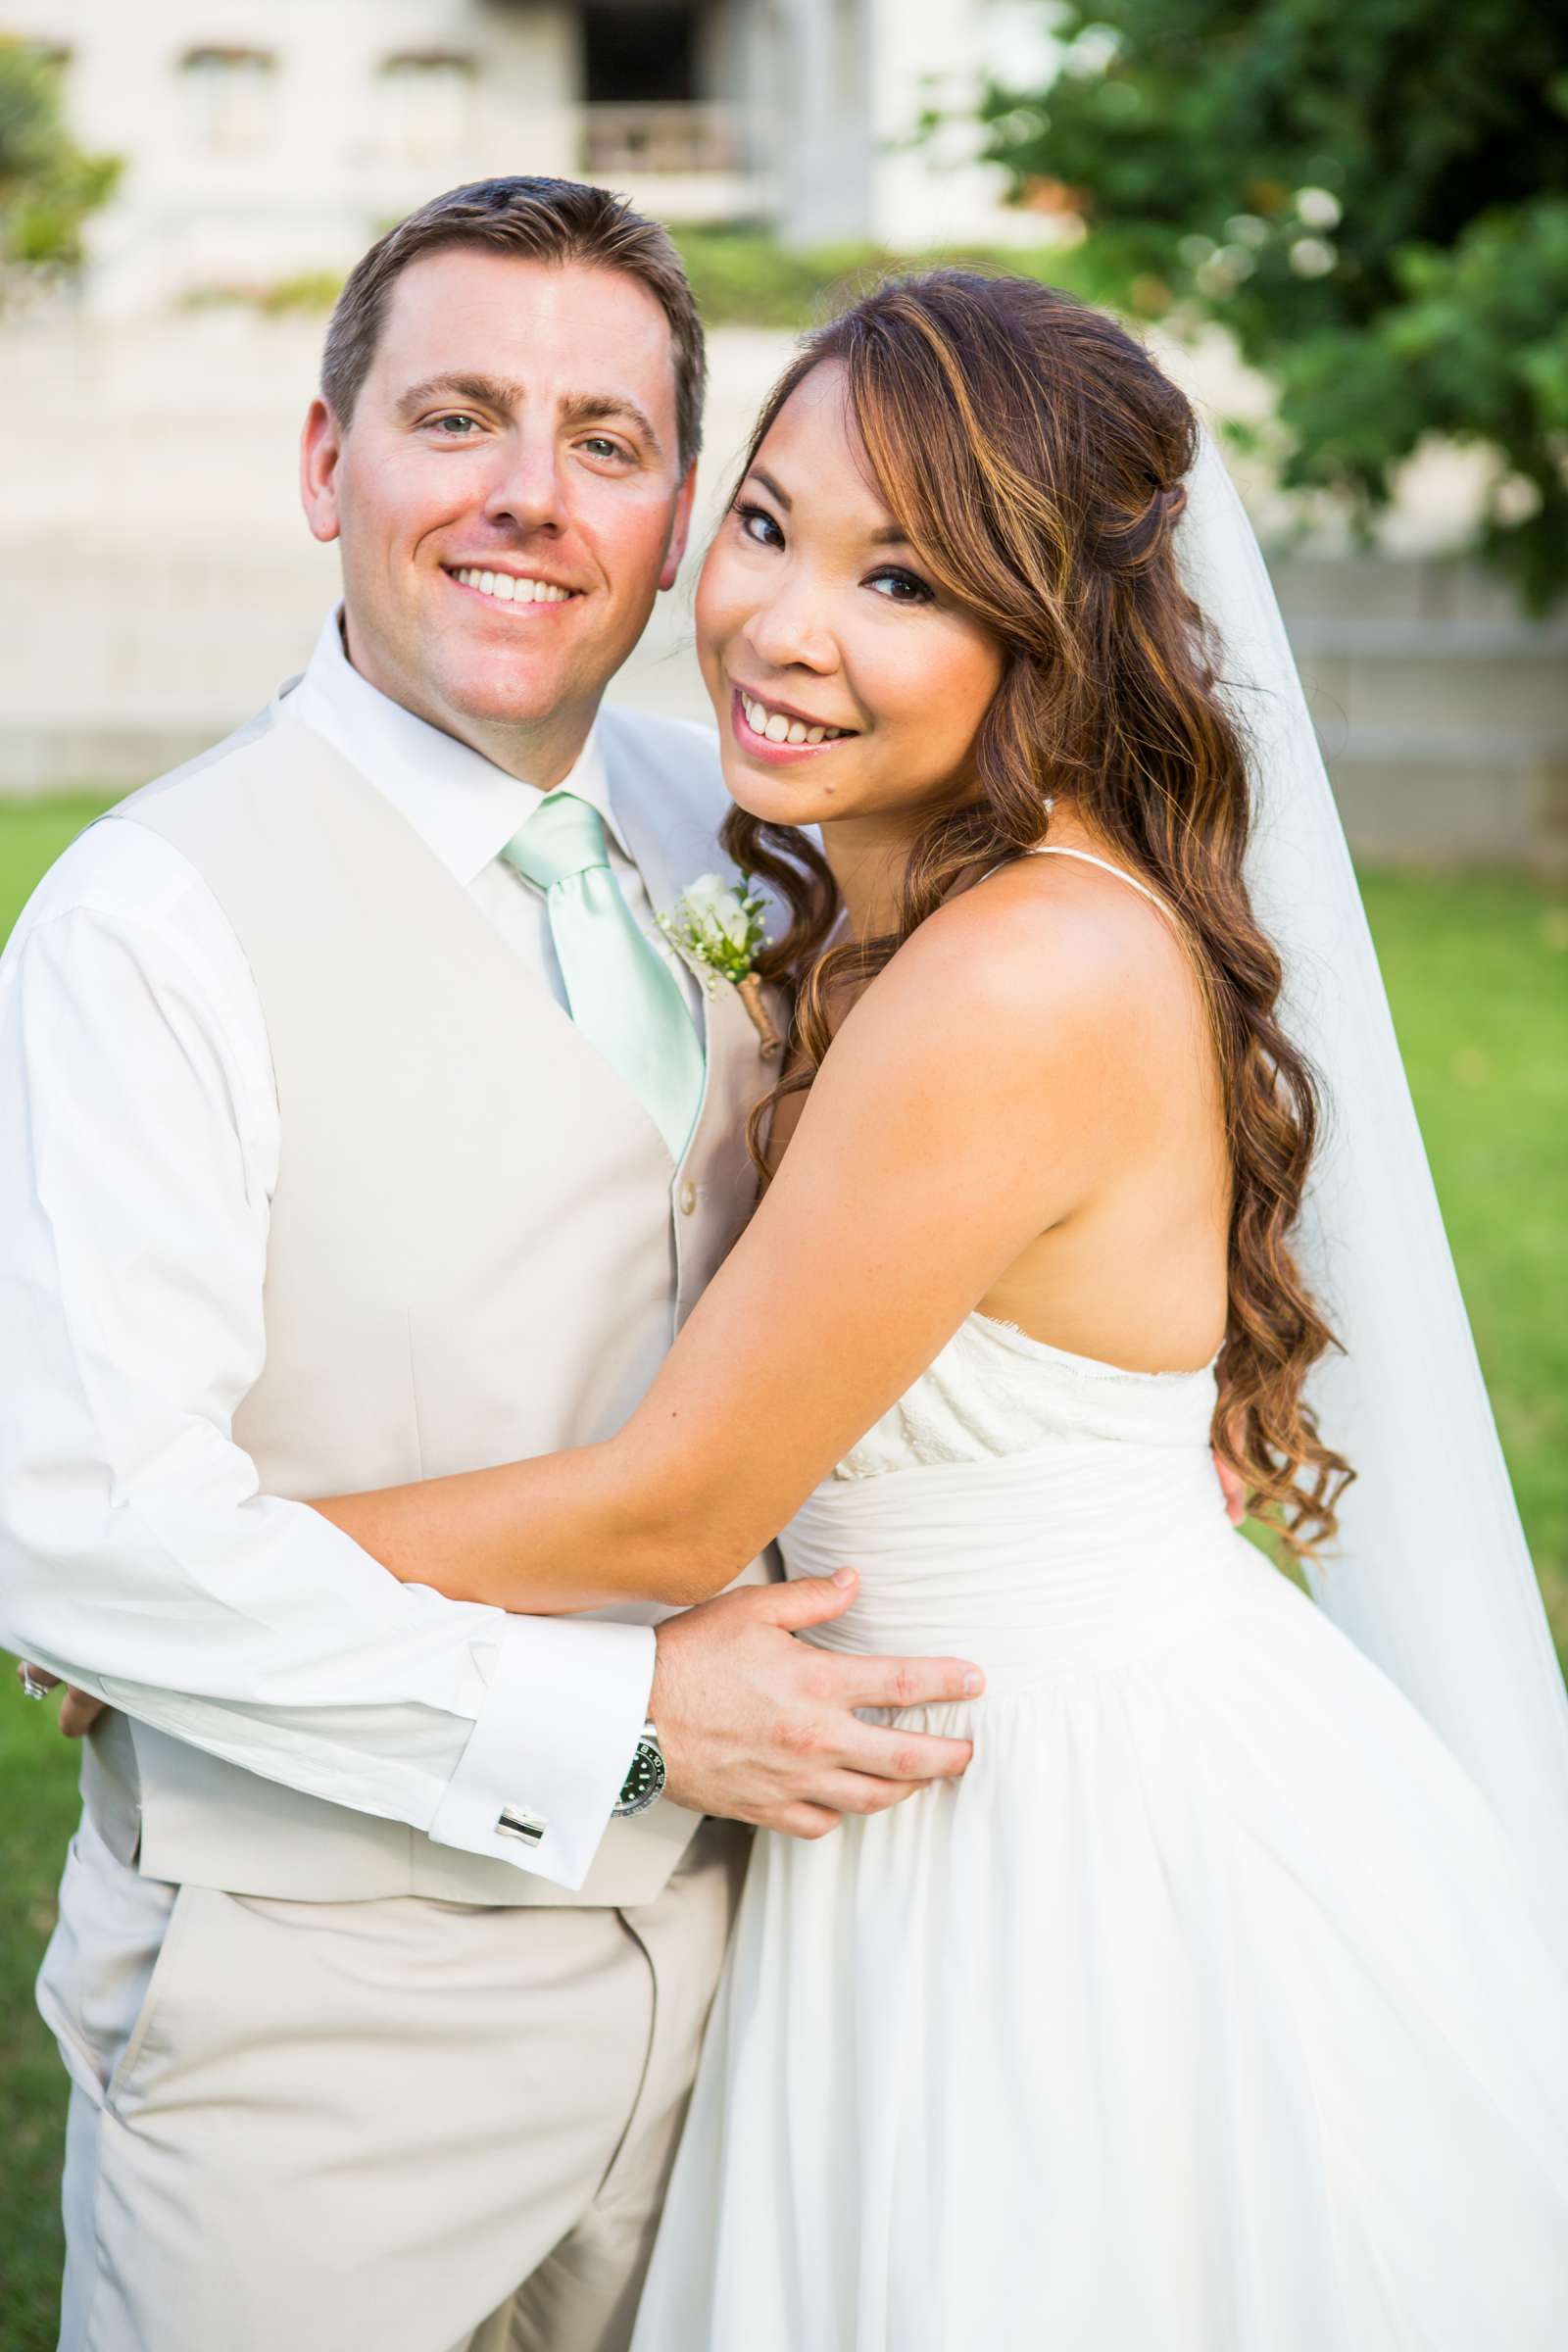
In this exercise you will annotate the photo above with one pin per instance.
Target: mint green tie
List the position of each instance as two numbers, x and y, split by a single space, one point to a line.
622 995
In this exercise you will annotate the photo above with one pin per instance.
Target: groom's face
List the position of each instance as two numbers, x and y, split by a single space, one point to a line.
517 427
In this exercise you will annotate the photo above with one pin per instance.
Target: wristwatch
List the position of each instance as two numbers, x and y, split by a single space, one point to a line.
646 1780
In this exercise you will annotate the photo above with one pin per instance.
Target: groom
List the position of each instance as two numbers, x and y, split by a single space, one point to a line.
354 1130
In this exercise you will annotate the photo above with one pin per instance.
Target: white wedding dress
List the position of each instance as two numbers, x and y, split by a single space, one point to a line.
1207 2013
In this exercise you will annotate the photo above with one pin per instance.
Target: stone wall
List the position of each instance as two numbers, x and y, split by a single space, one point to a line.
1442 715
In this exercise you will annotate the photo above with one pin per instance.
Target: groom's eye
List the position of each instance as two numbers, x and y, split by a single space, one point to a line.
458 428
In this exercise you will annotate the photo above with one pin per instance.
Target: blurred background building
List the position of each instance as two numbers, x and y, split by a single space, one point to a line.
159 579
266 139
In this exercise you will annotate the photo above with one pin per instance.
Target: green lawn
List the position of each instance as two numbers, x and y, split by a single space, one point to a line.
1477 970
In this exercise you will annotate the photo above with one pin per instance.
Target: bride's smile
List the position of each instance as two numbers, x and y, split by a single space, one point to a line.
772 731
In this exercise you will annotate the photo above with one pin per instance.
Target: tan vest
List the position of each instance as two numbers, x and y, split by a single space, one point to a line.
477 1251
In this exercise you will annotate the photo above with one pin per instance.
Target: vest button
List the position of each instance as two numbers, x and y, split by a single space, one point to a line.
688 1199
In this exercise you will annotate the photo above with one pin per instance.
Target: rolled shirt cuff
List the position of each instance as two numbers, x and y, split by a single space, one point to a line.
548 1755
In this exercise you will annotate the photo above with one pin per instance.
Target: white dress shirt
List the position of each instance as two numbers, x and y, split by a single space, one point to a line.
139 1143
462 806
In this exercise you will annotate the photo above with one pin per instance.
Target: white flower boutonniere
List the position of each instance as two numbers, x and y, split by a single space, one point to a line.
720 929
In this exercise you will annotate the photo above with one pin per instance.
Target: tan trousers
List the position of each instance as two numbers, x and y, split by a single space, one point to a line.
382 2127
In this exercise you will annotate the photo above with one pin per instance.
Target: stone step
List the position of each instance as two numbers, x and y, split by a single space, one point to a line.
1376 587
1517 692
1491 804
1413 637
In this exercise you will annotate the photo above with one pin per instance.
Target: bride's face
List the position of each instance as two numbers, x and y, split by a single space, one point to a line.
847 686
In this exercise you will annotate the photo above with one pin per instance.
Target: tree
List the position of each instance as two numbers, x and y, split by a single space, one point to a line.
1371 195
47 185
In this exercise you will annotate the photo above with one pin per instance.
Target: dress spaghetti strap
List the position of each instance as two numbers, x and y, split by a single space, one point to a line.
1046 849
1051 849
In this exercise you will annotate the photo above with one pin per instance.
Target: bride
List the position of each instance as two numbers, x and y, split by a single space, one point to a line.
1221 2002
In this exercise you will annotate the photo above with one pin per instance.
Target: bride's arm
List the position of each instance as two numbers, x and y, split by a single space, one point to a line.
964 1107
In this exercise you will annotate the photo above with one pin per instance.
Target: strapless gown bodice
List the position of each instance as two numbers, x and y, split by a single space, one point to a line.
994 1392
1032 1510
1207 2009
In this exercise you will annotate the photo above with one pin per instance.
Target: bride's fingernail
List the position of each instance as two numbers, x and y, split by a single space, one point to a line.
844 1576
973 1684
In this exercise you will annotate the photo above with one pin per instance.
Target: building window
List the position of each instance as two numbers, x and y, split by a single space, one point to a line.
425 104
645 111
640 55
228 97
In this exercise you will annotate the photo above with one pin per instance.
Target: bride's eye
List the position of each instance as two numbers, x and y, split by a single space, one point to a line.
901 587
755 525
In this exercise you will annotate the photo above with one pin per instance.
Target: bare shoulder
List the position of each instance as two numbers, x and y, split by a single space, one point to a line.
1047 959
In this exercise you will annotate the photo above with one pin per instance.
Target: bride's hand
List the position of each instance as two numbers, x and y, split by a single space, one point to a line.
1234 1488
78 1712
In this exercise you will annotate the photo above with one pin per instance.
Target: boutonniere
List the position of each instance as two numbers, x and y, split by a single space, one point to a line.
720 929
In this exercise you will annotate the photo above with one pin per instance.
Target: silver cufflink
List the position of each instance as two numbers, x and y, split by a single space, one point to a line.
514 1823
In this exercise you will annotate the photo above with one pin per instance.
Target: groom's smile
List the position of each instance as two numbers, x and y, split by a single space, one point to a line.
522 589
508 495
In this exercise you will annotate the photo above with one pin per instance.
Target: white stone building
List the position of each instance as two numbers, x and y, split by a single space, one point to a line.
158 579
266 139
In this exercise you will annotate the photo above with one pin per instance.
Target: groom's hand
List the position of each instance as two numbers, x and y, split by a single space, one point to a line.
758 1727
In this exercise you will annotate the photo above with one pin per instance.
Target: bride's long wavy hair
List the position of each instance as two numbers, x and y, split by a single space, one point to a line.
1034 454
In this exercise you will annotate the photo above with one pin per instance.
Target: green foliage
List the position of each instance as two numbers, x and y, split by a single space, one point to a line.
311 290
744 278
47 185
1373 200
311 294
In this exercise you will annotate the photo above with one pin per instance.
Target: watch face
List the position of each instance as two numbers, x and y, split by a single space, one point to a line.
646 1777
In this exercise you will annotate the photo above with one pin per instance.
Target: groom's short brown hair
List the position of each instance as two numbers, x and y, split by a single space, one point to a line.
555 220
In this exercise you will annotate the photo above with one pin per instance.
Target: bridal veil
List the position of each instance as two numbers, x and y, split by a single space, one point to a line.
1429 1574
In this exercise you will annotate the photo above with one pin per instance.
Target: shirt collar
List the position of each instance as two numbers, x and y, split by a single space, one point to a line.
462 806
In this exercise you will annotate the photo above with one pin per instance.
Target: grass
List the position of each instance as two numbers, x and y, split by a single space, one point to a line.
32 834
1477 967
38 1771
1477 971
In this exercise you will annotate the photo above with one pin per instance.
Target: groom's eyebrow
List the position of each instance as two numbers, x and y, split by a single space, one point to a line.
503 392
610 407
484 391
